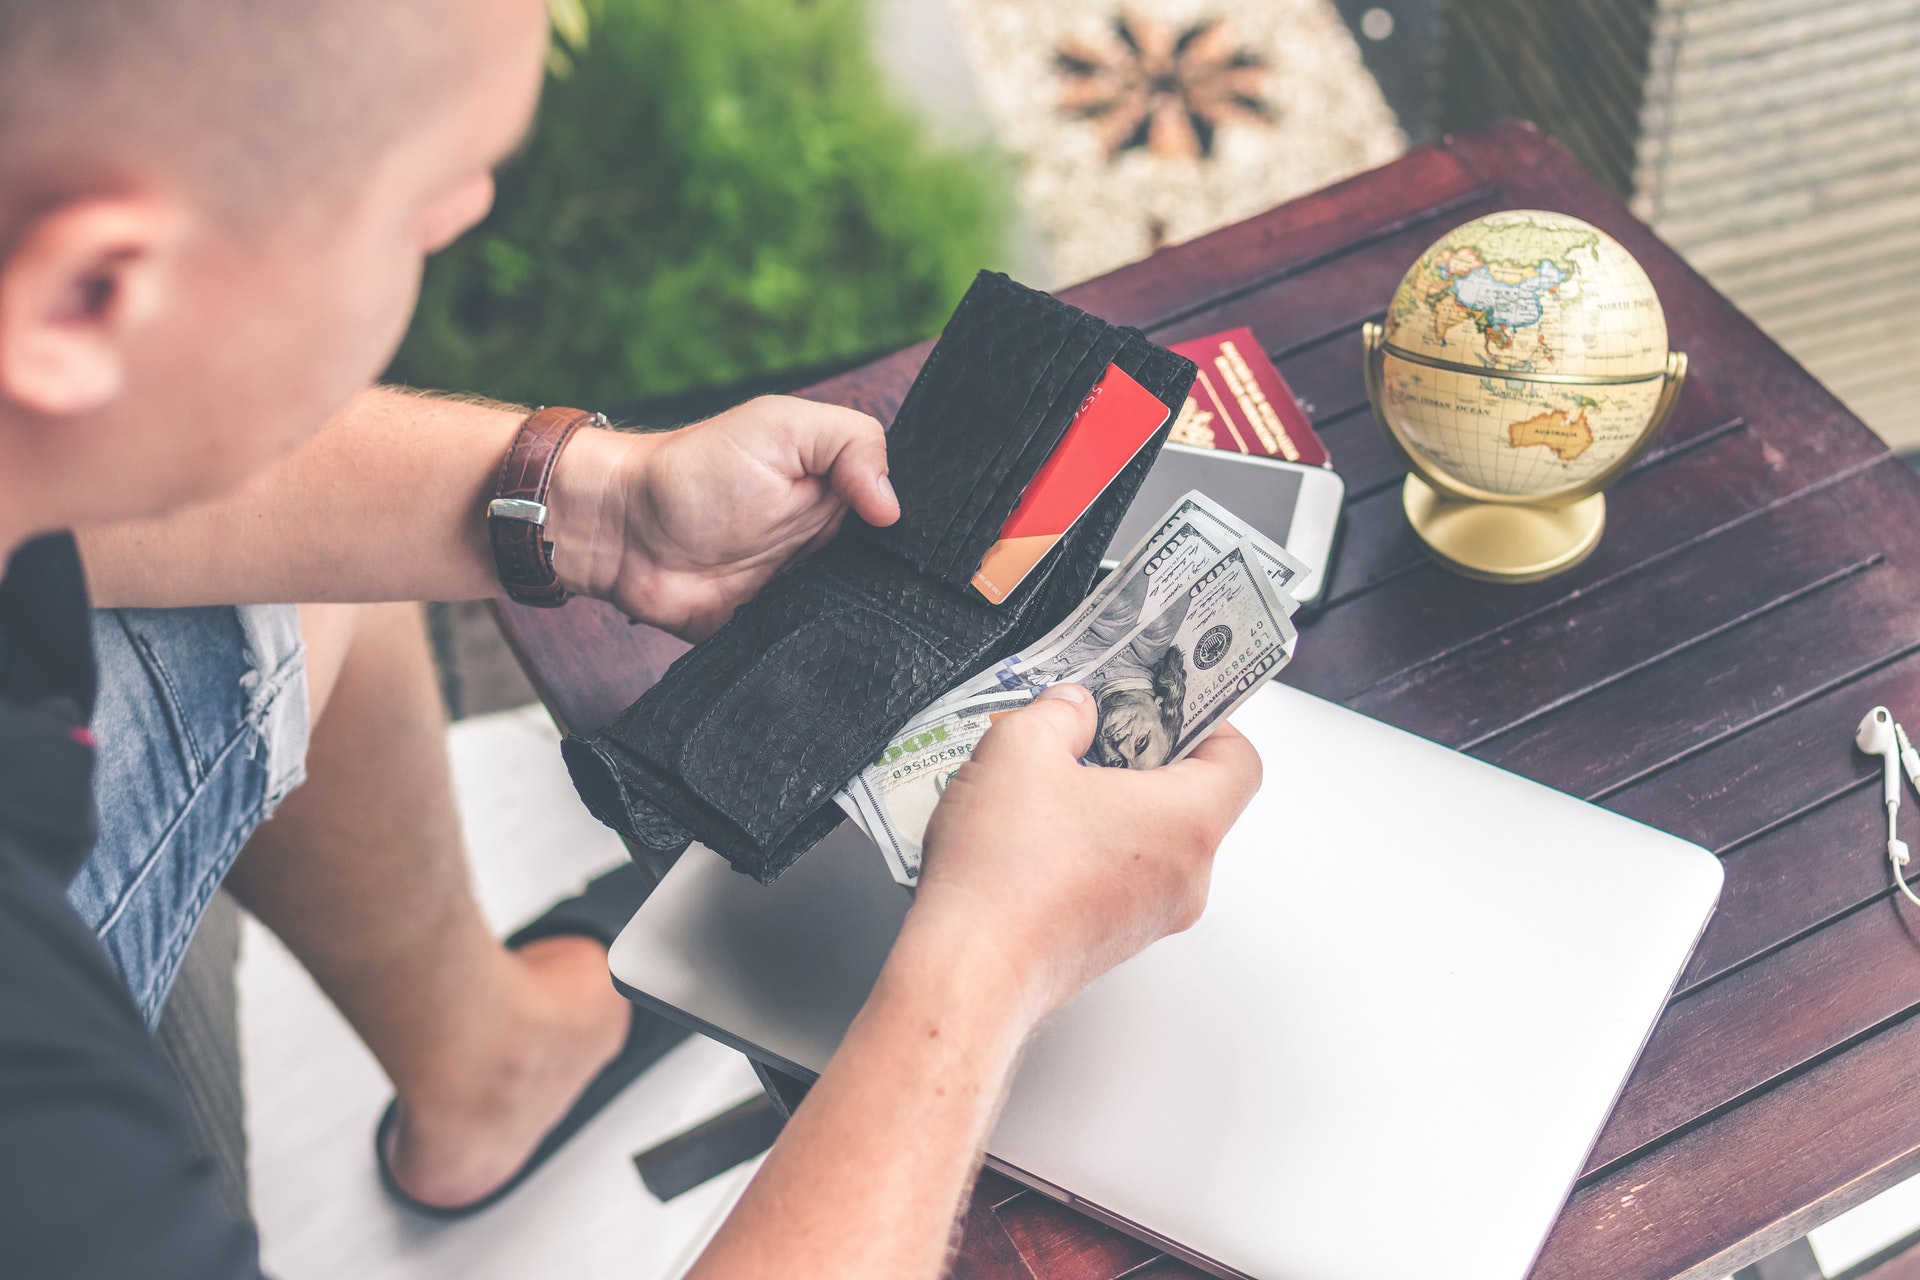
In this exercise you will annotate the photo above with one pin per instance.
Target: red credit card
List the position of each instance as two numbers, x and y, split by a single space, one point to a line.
1241 402
1112 425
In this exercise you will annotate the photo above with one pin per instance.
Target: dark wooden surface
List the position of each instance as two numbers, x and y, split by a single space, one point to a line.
1757 590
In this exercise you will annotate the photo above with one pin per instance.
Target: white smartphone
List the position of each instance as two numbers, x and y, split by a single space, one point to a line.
1296 505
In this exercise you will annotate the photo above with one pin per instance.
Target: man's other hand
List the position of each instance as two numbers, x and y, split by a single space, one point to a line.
681 528
1058 871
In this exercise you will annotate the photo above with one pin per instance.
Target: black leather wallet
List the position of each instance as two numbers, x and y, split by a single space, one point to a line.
744 741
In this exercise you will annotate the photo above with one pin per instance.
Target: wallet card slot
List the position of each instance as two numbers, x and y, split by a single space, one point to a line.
983 382
1041 379
1165 374
999 487
962 553
1047 386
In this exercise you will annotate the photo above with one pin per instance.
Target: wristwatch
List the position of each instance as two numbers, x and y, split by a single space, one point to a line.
517 516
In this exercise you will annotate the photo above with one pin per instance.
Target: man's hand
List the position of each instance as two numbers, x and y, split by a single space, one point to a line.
1064 870
1041 873
681 528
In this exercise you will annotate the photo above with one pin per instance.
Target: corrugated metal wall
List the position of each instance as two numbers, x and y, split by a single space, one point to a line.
1776 143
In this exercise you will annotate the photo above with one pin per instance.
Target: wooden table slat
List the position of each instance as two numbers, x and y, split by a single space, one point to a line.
1737 1186
1324 376
1347 287
1393 609
996 1188
1823 639
987 1252
1577 645
1366 462
1777 888
1841 981
1795 812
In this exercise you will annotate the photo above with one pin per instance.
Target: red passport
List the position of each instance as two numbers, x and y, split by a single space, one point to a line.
1111 425
1241 402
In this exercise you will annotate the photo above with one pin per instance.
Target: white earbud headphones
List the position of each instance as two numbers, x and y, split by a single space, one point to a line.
1879 735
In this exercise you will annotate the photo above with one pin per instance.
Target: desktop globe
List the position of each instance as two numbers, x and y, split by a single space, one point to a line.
1522 367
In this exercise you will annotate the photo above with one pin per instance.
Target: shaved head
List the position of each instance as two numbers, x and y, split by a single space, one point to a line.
213 217
239 102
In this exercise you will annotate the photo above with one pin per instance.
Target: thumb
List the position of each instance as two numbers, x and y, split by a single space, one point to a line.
1061 719
859 467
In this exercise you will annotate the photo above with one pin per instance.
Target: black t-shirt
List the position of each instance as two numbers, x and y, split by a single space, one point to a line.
98 1175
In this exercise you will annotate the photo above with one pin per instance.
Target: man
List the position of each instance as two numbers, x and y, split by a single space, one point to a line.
212 216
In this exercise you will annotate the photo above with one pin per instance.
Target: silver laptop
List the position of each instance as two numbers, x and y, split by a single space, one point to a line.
1417 973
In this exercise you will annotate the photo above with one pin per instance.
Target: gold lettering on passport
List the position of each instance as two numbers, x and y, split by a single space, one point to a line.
1194 426
1260 412
1221 415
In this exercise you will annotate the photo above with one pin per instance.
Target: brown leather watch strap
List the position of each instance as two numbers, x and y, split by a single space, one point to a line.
517 516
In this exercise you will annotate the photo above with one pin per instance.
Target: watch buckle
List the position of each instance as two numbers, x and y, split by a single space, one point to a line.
518 509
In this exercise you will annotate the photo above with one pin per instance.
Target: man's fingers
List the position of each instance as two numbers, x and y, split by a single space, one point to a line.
1223 772
850 450
860 476
1061 719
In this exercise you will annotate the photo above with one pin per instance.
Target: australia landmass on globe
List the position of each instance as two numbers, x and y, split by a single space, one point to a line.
1567 437
1509 435
1525 353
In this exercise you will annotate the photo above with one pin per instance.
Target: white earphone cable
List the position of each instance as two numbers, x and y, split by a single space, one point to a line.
1881 735
1908 756
1899 876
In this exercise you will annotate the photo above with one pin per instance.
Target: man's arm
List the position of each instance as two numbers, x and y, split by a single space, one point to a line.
865 1179
388 503
1041 873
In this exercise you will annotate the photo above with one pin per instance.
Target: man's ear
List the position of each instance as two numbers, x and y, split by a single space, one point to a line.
76 286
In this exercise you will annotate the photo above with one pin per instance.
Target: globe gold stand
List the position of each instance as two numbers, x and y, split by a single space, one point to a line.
1497 537
1497 542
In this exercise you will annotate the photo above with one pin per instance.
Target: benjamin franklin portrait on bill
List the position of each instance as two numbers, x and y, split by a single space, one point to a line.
1141 692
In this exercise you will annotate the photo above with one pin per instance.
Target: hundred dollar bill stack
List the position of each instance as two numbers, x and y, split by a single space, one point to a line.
1183 631
1770 141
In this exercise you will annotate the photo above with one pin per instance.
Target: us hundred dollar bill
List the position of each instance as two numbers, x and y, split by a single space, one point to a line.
1196 529
1167 656
1162 576
1194 533
893 799
1185 669
1283 568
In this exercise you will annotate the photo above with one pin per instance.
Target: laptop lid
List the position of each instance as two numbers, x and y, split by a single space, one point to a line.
1416 972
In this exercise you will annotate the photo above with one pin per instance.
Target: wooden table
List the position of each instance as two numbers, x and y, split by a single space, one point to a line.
1757 591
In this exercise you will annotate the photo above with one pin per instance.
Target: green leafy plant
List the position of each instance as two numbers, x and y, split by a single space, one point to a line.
712 191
